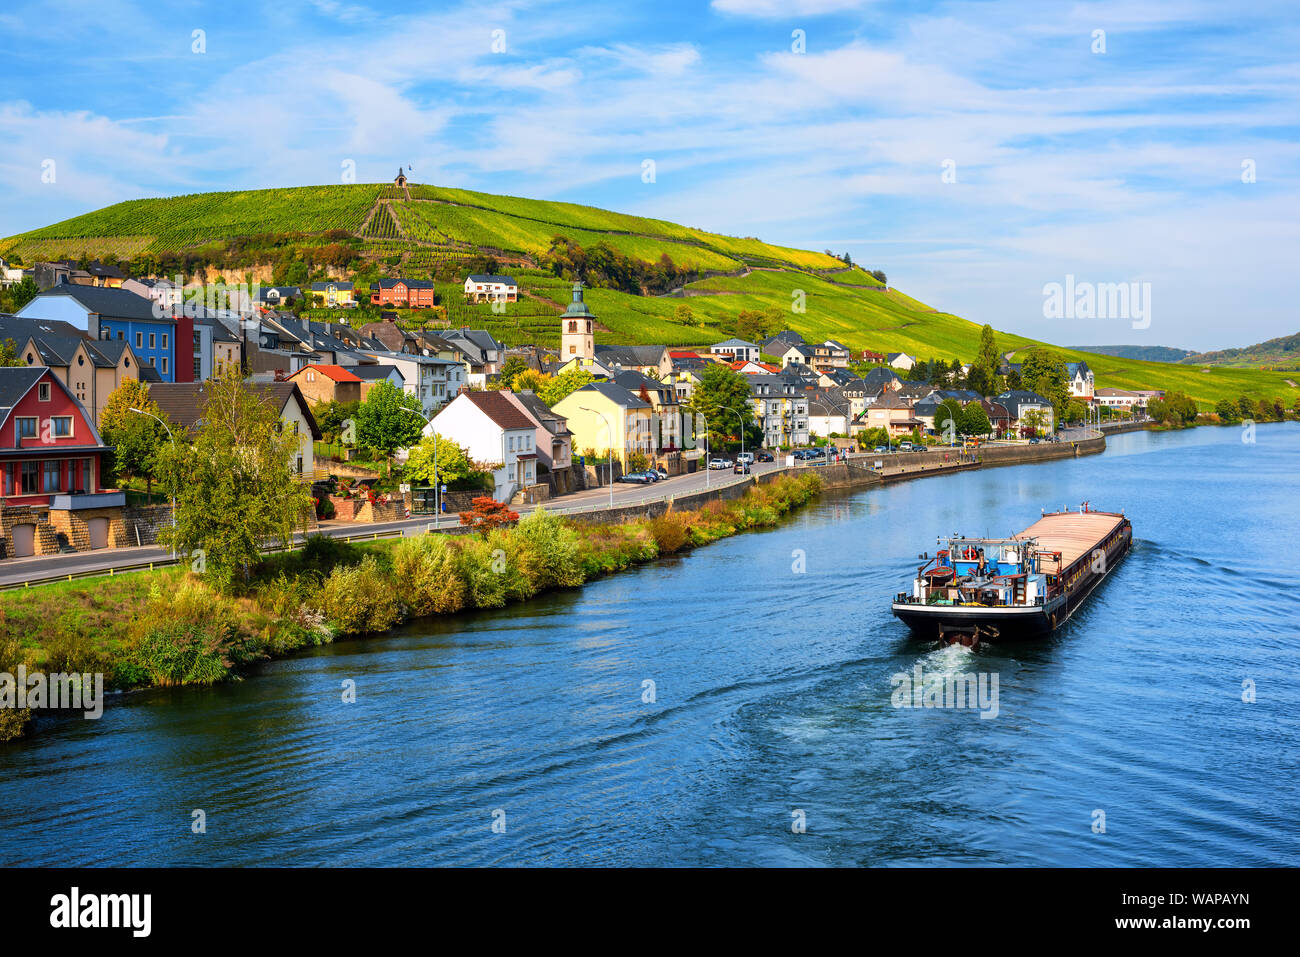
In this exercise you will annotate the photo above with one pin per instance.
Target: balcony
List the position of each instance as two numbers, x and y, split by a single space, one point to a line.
75 501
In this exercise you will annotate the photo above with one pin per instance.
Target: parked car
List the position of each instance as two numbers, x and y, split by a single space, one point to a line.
817 453
765 457
881 448
720 463
636 478
661 472
905 447
746 457
1035 440
742 468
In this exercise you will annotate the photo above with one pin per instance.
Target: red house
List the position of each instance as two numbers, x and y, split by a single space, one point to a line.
412 293
50 466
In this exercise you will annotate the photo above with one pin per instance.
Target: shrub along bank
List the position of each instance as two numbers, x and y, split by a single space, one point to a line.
172 628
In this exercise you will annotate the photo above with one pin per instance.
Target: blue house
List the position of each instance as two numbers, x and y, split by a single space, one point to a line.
156 337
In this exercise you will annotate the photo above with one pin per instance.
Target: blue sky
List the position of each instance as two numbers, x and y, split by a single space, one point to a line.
1122 166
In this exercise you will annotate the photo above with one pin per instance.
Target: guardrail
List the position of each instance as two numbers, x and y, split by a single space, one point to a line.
114 570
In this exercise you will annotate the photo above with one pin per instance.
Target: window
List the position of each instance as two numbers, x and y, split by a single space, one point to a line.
62 426
53 476
139 340
198 369
87 475
31 478
164 340
311 375
43 392
164 365
152 340
26 427
119 334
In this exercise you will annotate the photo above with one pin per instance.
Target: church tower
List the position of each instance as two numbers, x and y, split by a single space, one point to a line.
577 330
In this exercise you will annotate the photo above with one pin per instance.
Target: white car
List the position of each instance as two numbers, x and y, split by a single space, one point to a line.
746 457
720 463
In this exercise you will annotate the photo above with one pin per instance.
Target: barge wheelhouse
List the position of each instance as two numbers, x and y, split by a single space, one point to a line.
1024 586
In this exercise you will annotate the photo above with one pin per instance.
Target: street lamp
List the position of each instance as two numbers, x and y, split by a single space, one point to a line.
609 450
742 427
707 464
437 482
173 482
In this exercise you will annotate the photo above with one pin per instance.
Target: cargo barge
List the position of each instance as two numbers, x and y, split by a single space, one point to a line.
1025 586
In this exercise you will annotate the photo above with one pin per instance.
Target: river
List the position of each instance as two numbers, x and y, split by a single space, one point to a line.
529 736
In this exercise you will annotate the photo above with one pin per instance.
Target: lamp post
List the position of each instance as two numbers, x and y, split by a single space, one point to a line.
173 482
707 464
609 450
437 482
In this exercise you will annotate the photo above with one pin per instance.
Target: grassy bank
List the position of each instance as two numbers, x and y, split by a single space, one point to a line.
170 628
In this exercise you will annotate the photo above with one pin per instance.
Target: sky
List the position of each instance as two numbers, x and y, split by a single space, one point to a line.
977 152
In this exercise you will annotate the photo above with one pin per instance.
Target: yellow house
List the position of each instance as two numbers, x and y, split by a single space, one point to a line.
333 293
605 416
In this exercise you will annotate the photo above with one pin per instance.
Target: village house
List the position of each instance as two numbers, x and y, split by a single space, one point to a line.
481 287
276 296
736 350
901 360
1020 402
103 313
9 275
91 368
892 413
51 458
781 408
492 429
1123 400
432 381
829 413
333 293
1080 380
481 353
552 440
327 383
167 294
184 404
371 374
662 397
830 355
409 293
603 416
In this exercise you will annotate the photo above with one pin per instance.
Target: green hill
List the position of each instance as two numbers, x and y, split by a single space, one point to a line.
1282 353
431 230
1149 353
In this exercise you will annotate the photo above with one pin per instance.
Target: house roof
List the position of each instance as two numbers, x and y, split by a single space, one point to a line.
323 286
372 372
337 373
616 394
16 382
730 344
499 409
408 283
184 402
485 277
104 301
631 355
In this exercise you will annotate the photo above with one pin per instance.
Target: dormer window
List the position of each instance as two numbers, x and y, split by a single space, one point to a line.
43 392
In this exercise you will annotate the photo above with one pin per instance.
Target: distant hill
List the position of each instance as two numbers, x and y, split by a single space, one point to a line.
1148 353
1281 353
364 232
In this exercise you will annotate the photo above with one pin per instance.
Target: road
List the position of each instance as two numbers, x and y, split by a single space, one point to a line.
18 570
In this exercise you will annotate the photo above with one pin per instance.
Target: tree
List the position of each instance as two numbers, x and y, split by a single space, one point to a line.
1043 372
454 464
487 513
879 274
751 325
723 398
389 419
568 381
974 420
685 315
949 410
18 295
531 380
514 365
984 370
240 492
1074 411
135 438
9 354
1033 421
332 415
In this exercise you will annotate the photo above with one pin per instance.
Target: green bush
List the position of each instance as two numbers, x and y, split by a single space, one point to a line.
544 550
360 599
670 533
182 654
426 575
482 566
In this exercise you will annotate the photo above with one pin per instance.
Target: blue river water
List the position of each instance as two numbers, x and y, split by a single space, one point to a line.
530 736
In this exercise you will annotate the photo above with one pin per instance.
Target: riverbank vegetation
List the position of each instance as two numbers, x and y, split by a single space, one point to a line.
176 627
